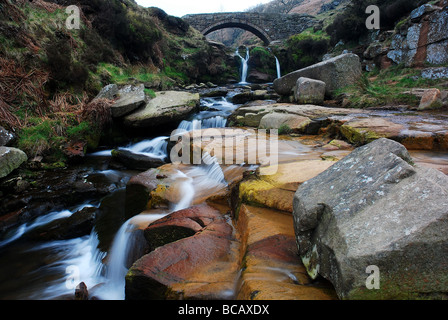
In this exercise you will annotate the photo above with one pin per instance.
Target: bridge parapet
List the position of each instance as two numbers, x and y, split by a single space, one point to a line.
267 26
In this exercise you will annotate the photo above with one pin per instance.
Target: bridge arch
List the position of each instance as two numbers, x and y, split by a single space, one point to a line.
259 32
267 26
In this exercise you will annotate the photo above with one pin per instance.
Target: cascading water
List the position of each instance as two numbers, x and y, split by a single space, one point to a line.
155 148
106 280
125 244
244 65
214 115
277 63
207 176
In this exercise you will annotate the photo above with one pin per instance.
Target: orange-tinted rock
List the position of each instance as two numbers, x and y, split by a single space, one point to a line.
431 159
189 267
272 267
277 190
431 99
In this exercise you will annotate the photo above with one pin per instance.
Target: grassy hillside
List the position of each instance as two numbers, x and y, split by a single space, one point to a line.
49 74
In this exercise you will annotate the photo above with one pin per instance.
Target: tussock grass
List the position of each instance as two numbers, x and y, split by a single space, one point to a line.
387 87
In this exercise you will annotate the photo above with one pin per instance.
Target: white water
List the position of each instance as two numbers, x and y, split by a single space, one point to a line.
244 65
155 148
79 253
197 124
40 221
277 63
196 179
215 115
126 240
186 189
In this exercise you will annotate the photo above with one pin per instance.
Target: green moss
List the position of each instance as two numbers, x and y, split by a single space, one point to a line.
284 129
403 286
54 165
150 93
358 136
79 131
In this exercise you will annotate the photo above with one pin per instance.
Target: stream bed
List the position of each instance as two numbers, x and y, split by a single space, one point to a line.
51 269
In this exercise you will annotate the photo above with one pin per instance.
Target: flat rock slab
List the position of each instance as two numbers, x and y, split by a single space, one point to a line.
277 190
415 130
166 107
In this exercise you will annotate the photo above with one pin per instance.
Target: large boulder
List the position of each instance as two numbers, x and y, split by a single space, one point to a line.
166 107
337 73
277 120
127 98
10 159
375 210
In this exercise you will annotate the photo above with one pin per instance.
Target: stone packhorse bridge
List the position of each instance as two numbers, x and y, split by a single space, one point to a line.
267 26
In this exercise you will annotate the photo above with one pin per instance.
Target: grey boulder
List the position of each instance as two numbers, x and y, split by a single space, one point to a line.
337 73
375 208
10 159
130 98
309 91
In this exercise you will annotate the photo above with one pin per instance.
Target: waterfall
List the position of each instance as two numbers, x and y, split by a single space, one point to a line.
244 65
279 74
125 248
207 177
197 124
214 116
186 189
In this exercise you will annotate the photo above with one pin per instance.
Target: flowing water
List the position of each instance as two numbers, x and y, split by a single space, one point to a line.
244 65
52 269
277 64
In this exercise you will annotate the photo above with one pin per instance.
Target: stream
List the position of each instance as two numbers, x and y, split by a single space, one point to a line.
42 270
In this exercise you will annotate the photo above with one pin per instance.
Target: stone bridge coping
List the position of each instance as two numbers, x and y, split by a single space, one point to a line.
267 26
